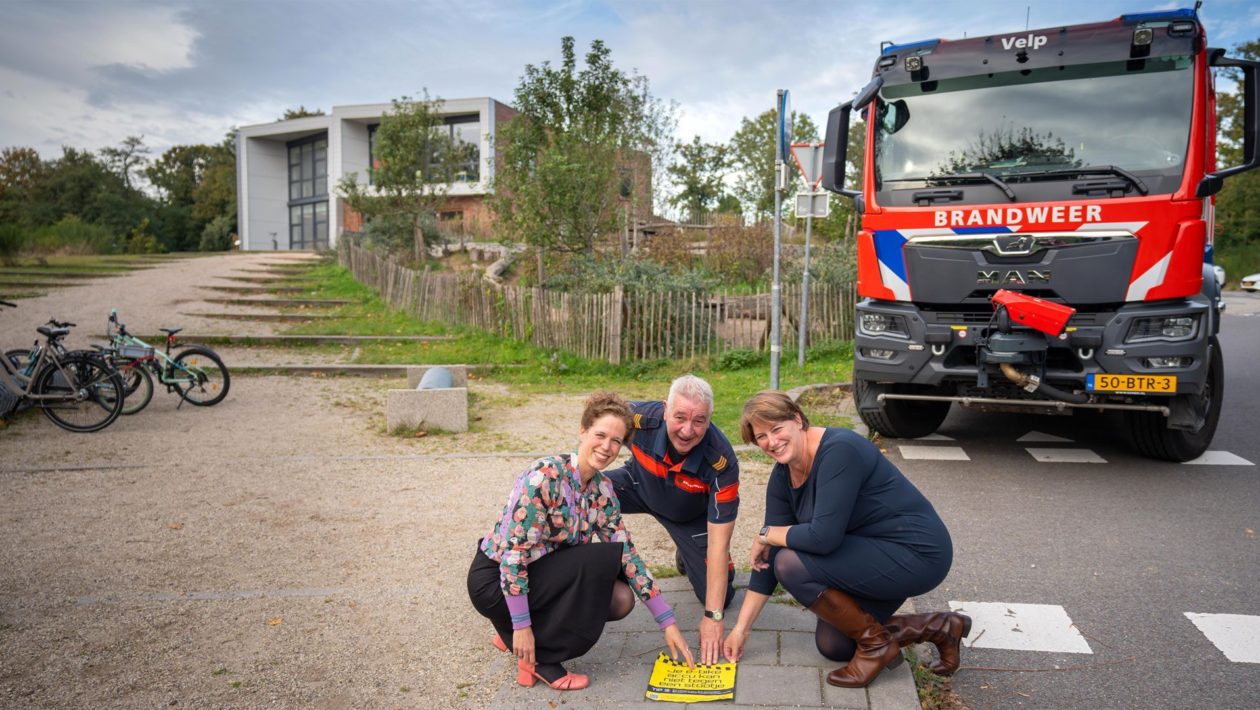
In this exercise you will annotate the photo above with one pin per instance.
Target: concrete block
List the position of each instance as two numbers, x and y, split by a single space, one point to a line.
445 409
458 372
798 648
761 649
894 690
778 685
836 697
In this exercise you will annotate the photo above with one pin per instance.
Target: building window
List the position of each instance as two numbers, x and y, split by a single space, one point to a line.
374 163
465 135
308 226
308 193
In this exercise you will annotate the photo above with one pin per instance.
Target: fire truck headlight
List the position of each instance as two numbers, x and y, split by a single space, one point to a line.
882 324
914 63
1143 36
1169 328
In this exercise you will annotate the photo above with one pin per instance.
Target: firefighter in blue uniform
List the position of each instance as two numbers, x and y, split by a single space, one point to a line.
682 471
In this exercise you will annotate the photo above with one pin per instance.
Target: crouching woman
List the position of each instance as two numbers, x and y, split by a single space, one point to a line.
559 562
850 538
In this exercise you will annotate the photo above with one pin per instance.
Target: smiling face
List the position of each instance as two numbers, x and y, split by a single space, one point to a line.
599 444
783 441
686 421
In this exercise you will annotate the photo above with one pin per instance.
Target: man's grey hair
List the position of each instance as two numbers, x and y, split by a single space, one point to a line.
692 388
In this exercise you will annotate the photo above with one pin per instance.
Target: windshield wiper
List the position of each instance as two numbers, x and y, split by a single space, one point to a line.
1133 180
974 177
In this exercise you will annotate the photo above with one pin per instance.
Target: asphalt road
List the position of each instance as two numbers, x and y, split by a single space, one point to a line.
1125 547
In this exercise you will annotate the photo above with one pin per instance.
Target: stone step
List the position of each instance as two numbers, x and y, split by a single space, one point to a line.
281 317
279 302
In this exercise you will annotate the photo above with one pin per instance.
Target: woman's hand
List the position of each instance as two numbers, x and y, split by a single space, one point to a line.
523 644
674 640
760 557
733 648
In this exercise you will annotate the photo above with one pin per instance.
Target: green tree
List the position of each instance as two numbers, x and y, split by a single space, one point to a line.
752 154
417 159
215 194
699 172
300 112
127 158
178 171
20 171
582 137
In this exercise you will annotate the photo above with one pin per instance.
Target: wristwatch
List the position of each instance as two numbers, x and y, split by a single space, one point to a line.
765 530
715 615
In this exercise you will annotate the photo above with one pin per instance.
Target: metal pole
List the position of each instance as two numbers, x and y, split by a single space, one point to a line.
804 327
775 346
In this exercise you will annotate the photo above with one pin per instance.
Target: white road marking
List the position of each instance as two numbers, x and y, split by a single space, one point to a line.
1219 458
935 437
1234 634
1036 437
933 453
1066 456
1021 627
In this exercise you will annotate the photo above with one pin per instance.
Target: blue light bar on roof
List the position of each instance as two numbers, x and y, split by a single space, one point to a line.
899 48
1159 15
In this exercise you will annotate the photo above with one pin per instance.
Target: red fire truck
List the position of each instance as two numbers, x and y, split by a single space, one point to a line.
1036 208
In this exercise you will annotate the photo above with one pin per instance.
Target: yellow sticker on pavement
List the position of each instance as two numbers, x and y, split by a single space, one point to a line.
673 682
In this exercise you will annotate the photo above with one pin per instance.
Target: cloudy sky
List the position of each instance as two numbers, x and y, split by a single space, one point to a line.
87 73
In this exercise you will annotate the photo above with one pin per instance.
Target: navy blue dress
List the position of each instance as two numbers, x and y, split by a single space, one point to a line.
858 525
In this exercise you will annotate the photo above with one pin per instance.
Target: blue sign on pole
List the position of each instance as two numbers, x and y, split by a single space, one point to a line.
785 126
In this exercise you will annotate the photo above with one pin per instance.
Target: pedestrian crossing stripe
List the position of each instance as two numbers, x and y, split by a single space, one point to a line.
933 453
1049 454
1065 455
1233 634
1021 627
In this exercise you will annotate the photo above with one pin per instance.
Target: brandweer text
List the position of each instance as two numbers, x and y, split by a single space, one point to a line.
1002 216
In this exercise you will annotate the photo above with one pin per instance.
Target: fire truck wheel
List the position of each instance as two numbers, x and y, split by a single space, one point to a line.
903 418
1153 439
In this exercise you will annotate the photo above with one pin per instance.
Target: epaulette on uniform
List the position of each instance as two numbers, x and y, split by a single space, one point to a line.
719 464
642 422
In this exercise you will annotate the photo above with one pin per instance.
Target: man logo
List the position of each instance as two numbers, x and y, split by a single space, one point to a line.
1015 245
1012 277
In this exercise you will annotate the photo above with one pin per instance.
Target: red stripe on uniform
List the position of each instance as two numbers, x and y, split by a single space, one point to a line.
728 494
649 464
689 484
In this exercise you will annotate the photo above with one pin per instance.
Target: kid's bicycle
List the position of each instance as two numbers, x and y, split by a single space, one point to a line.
196 373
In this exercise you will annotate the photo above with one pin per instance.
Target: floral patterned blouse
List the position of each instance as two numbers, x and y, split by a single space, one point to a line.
550 508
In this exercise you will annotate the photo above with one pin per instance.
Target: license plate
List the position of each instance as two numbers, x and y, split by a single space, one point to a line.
1158 384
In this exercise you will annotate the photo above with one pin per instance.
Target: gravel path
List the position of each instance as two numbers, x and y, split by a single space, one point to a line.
276 549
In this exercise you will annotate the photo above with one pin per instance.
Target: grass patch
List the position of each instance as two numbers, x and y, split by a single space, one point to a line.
1238 262
664 571
735 376
935 691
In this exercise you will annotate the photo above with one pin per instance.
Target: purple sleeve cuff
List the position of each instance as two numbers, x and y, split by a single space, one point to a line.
518 607
661 610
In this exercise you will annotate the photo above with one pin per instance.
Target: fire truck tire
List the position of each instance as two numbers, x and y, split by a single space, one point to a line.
901 418
1153 439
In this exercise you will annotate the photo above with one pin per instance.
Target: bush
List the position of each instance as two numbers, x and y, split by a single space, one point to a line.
73 235
741 254
834 263
738 359
141 241
218 234
11 242
587 274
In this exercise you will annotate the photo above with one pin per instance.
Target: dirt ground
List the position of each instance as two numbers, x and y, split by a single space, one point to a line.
277 549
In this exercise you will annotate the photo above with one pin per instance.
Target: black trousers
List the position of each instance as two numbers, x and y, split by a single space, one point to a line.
570 591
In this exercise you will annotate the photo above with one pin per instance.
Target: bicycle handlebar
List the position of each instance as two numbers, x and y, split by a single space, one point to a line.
59 324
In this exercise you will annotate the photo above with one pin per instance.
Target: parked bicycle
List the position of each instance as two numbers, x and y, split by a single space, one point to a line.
77 391
137 383
196 373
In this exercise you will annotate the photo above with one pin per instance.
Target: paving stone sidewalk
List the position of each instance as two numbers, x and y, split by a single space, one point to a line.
781 668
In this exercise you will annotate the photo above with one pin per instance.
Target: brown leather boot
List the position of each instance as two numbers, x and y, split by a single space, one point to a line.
876 649
945 630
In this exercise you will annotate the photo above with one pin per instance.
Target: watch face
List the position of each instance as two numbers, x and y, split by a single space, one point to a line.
715 615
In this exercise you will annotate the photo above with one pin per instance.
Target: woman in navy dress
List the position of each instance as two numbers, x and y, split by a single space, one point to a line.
850 538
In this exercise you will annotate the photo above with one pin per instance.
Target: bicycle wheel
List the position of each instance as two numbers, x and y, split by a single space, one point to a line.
90 395
139 387
201 377
18 358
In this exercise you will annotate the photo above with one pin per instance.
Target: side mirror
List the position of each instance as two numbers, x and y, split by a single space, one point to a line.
1213 182
836 140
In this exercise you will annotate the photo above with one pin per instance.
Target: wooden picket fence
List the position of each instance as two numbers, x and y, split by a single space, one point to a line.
621 326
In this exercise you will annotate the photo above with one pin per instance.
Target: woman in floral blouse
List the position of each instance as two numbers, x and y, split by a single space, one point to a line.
559 562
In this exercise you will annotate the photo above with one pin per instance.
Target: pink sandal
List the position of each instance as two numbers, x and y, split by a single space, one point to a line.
498 642
527 676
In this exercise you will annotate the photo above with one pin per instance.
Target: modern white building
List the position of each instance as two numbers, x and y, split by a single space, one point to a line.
287 172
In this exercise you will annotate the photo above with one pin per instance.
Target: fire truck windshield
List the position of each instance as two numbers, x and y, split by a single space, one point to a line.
1038 124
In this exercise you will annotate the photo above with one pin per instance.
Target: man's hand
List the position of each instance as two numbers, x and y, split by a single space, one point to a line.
710 640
